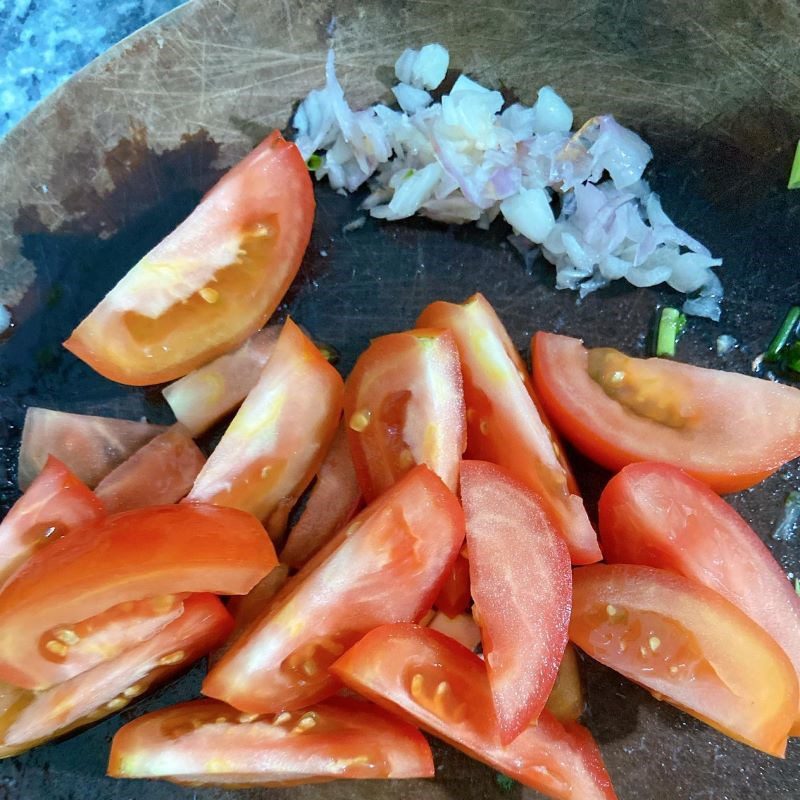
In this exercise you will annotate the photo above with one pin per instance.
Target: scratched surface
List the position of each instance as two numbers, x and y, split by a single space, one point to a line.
105 168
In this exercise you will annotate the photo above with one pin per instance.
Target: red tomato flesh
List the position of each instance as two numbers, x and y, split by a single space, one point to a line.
404 405
455 596
213 281
88 446
521 582
30 718
54 503
206 395
689 646
385 566
332 502
278 438
657 515
504 423
160 473
102 589
436 683
719 427
205 742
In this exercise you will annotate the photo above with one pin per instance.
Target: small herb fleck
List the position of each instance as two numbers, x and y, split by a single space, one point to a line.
314 162
408 174
504 782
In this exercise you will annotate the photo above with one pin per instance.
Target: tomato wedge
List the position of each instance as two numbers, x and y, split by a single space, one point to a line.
521 582
455 596
657 515
504 425
161 472
689 646
566 701
332 502
718 426
207 394
206 742
30 718
436 683
213 281
101 589
386 566
55 502
89 446
404 405
278 438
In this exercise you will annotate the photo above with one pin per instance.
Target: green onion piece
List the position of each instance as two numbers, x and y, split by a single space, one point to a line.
408 174
314 162
797 586
670 326
787 525
504 782
793 357
794 175
784 335
328 351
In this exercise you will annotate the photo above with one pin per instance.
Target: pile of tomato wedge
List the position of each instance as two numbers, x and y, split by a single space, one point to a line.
437 563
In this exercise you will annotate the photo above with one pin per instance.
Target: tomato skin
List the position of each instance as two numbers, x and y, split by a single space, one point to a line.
728 672
213 281
205 742
54 503
404 405
521 582
160 473
88 446
402 668
657 515
156 552
278 438
29 718
454 596
332 503
504 422
205 395
728 437
387 565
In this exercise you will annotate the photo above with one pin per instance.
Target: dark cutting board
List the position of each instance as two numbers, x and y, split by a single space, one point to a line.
107 166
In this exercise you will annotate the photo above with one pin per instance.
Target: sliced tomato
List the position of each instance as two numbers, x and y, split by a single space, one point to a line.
278 438
30 718
332 502
88 446
566 700
207 394
504 424
718 426
213 281
55 502
404 405
102 589
461 627
386 566
657 515
455 596
205 742
521 582
436 683
689 646
161 472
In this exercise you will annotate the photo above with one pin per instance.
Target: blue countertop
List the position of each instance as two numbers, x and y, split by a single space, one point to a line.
43 42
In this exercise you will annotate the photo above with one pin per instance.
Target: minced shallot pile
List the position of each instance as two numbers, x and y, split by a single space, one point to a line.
469 157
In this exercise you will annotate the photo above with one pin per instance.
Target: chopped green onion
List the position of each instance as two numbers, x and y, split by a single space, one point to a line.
329 352
670 326
314 162
797 586
794 175
793 357
785 529
408 174
784 335
504 782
